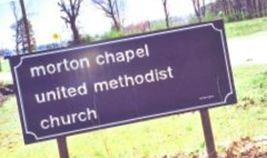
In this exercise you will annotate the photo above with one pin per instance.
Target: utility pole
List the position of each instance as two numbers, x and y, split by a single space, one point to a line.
26 25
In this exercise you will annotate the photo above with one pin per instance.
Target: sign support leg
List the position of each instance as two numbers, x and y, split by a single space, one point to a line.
209 139
62 147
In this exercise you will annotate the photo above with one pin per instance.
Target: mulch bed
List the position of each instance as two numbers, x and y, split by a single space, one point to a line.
242 148
247 148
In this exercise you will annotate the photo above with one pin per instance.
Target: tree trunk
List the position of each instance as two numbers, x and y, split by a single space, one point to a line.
113 16
249 9
71 11
166 13
265 7
14 9
116 24
230 7
203 9
167 20
76 35
196 5
260 8
25 20
118 12
17 42
225 10
238 10
255 12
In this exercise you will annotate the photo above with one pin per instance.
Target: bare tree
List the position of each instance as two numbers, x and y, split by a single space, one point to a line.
264 7
26 25
112 10
199 8
21 37
225 7
240 9
251 8
255 8
15 26
260 8
237 7
24 35
71 10
166 12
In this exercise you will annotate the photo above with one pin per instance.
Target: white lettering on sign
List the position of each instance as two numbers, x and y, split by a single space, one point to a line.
60 93
64 65
122 57
124 81
69 119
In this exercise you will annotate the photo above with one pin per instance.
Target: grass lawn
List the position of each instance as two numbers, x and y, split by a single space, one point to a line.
4 65
154 138
247 27
233 29
5 74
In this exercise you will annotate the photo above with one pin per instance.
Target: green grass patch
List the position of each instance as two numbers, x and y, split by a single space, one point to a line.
5 72
247 27
252 83
4 65
154 138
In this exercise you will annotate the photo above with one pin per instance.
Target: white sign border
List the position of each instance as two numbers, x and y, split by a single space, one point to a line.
27 131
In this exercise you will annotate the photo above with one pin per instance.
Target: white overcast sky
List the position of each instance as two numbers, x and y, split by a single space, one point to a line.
45 17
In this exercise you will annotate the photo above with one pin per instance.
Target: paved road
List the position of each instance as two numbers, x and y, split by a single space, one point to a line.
243 50
248 49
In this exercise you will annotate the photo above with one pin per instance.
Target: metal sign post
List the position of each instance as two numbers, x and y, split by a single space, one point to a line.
62 147
209 139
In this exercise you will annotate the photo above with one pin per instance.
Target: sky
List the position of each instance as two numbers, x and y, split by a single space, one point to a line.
45 18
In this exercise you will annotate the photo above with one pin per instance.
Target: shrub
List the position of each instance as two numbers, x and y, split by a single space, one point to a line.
112 34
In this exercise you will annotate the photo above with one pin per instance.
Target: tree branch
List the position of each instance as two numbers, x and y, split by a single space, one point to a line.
102 6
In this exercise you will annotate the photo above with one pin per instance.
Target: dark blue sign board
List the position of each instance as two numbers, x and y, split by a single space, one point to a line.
122 81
